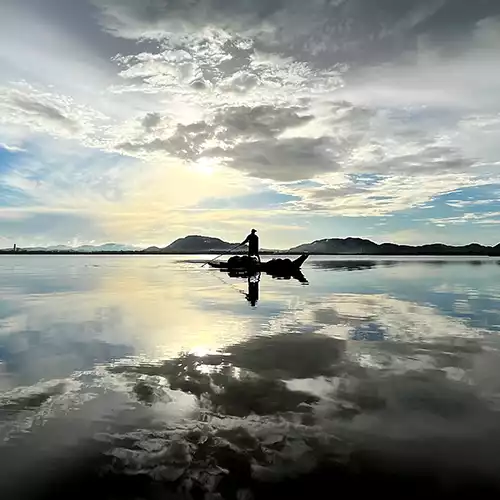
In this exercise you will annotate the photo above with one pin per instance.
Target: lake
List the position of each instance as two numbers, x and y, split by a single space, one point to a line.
154 377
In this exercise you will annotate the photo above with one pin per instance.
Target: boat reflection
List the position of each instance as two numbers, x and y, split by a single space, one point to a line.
297 275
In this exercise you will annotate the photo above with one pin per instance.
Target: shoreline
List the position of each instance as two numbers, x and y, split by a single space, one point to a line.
265 253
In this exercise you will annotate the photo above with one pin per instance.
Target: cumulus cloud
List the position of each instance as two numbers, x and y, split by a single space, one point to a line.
186 142
249 137
151 120
281 160
260 121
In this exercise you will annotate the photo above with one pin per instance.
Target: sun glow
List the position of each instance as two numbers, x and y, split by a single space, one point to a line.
205 166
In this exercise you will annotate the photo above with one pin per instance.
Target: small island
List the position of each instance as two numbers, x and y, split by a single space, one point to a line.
196 244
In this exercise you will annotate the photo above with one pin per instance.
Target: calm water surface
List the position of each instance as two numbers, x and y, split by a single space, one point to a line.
147 377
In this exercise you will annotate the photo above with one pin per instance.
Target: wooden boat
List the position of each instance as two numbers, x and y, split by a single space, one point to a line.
250 264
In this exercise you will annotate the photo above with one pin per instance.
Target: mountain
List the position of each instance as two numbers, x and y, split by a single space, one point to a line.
197 244
106 247
58 248
336 245
358 246
152 250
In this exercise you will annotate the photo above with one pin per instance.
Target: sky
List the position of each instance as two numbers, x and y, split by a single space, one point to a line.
140 122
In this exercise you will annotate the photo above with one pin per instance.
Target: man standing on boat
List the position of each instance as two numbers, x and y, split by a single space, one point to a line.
253 244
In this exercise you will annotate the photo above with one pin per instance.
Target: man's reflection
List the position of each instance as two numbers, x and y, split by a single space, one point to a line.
253 289
253 283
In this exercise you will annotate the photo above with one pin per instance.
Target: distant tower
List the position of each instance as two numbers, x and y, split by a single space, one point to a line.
15 247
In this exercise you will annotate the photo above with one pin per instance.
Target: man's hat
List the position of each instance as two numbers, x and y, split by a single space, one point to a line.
254 230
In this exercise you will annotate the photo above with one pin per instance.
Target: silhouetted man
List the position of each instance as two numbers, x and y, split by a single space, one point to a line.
253 244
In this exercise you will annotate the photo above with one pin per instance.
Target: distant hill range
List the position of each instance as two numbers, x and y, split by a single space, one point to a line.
106 247
358 246
195 244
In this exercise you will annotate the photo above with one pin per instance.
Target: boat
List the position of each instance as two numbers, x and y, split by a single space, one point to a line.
247 264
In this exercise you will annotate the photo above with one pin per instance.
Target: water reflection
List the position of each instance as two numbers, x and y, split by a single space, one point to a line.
285 404
28 356
361 263
162 380
253 289
348 265
283 275
252 294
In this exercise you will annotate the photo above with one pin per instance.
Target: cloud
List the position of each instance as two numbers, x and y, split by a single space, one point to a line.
28 108
186 142
260 121
11 149
44 111
249 137
151 120
281 160
350 26
384 196
129 19
468 203
378 103
480 218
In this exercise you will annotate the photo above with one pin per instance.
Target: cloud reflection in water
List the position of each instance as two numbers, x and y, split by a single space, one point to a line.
312 377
